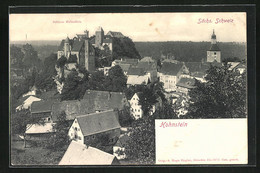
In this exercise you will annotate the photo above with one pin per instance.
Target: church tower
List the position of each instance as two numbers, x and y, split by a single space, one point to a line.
99 37
214 53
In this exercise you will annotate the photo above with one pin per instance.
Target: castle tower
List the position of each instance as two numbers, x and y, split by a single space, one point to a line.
99 37
89 57
67 47
214 53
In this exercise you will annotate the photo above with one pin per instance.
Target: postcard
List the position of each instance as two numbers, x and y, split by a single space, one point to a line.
161 88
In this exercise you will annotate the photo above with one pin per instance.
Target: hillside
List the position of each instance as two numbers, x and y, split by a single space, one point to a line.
189 51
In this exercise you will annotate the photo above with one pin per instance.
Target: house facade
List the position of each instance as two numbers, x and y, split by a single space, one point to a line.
136 109
92 128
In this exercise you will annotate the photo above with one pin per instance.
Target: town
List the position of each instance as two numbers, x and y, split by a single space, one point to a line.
95 100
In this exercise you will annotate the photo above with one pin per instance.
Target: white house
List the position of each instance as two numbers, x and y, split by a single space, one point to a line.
80 154
135 107
87 129
27 103
170 73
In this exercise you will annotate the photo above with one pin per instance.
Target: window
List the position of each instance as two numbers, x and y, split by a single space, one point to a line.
79 138
135 110
215 53
93 137
111 140
49 119
76 128
133 98
138 110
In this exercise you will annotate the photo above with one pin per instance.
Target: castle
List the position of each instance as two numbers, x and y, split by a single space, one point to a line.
81 49
214 53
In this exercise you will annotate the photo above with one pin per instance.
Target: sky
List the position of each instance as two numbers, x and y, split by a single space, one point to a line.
137 26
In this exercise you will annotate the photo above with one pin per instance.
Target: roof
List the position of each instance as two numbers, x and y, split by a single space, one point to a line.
214 47
72 59
125 67
194 67
99 29
137 80
170 61
98 122
49 95
241 65
92 101
80 154
233 64
41 106
77 45
39 129
104 100
170 68
107 40
136 71
147 66
186 83
115 34
122 141
147 59
129 61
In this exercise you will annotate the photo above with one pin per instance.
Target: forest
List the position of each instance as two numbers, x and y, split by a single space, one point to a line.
189 51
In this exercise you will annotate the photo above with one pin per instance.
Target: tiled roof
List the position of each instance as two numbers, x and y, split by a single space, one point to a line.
92 101
39 129
49 95
147 66
98 122
41 106
136 71
72 59
125 67
194 67
115 34
214 47
122 141
186 83
80 154
147 59
77 45
137 80
107 40
170 68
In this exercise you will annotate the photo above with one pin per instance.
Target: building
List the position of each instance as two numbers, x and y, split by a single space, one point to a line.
184 85
26 104
170 73
214 53
197 70
80 154
136 108
78 51
137 76
93 101
119 147
42 109
115 34
92 128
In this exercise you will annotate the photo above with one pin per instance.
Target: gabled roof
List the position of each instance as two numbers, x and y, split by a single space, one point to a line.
77 45
122 141
194 67
170 68
241 65
186 83
137 80
104 100
136 71
147 66
147 59
39 129
92 101
80 154
41 106
214 47
98 122
49 95
115 34
125 67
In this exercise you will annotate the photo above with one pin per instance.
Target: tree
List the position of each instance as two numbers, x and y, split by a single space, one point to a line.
116 80
71 90
60 140
222 96
22 121
96 81
125 118
61 62
16 56
45 80
141 146
31 57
